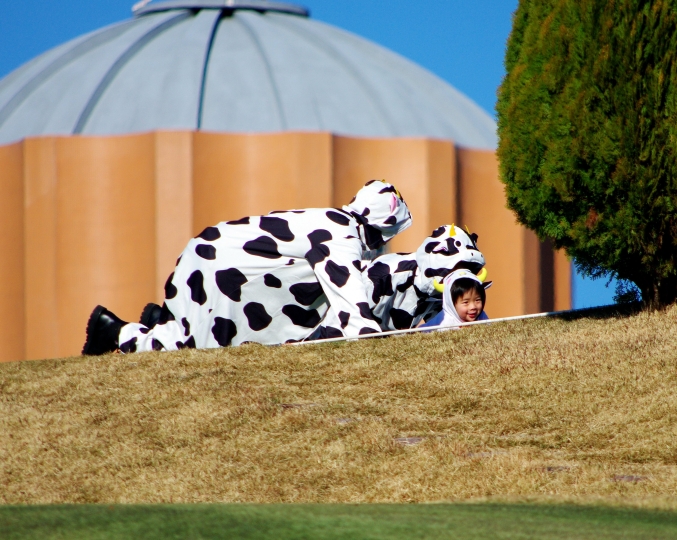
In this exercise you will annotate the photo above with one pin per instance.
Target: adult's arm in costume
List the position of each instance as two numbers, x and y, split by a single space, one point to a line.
342 284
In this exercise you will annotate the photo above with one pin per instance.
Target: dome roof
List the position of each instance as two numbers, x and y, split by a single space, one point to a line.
232 66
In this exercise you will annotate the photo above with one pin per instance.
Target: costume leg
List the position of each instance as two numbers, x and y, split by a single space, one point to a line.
169 336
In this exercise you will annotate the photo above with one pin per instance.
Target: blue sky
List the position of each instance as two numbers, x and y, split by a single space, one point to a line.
461 41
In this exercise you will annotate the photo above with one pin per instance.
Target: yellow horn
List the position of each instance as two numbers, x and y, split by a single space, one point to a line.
396 191
452 230
482 276
439 287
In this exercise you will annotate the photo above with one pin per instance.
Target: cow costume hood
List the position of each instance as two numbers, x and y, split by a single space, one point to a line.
451 317
448 248
380 211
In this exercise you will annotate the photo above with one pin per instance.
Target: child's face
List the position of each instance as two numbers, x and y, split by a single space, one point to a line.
469 306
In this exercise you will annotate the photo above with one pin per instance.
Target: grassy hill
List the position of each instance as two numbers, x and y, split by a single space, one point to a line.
581 410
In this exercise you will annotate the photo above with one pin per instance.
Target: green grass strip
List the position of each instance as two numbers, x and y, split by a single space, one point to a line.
336 521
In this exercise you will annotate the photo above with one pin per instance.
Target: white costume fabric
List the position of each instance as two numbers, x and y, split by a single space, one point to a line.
401 286
271 279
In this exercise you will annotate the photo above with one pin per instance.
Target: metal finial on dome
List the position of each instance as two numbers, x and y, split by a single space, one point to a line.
146 6
139 5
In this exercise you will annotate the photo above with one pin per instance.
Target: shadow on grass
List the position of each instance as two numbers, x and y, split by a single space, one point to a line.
602 312
306 521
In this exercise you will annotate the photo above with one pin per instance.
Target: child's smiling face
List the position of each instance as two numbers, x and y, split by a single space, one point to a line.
469 306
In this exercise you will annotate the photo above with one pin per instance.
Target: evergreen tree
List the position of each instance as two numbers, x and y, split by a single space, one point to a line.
587 123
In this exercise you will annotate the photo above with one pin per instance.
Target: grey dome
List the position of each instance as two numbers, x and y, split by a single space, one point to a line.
232 66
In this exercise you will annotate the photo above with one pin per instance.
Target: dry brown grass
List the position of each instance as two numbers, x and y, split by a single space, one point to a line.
538 410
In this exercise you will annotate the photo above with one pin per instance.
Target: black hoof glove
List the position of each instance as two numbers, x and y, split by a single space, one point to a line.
103 332
150 315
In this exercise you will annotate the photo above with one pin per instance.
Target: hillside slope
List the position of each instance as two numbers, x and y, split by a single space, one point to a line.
582 410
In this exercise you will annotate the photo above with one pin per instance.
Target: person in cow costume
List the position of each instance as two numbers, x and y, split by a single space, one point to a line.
463 300
266 279
406 288
403 289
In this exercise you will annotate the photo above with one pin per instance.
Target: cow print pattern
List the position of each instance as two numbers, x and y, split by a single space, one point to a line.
224 330
263 246
210 234
271 281
257 316
307 318
338 274
319 251
277 227
129 346
274 278
344 318
230 283
380 275
196 284
400 285
306 294
170 290
339 218
243 221
328 332
206 251
166 315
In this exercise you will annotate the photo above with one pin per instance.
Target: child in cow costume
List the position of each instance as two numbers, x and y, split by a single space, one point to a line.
417 277
267 279
463 299
406 288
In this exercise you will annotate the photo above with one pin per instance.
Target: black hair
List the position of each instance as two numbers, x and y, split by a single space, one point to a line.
463 285
474 267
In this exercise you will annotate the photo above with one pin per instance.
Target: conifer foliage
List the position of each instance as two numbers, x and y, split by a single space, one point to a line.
587 122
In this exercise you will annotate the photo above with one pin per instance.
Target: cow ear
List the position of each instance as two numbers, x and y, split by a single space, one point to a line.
487 284
393 203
